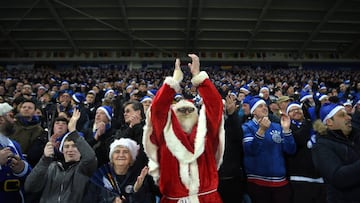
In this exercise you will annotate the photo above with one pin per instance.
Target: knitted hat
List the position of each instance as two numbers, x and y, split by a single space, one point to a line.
145 98
264 88
322 87
247 99
125 142
151 92
78 97
304 95
323 96
245 89
5 108
328 110
107 110
92 92
42 88
292 104
108 92
233 93
255 102
177 97
348 102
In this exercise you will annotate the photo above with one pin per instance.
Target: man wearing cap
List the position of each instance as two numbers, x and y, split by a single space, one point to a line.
185 147
336 153
283 102
265 144
99 134
13 166
305 180
63 180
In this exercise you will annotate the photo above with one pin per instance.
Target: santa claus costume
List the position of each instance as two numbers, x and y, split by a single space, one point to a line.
185 164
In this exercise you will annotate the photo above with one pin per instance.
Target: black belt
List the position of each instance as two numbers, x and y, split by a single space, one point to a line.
10 185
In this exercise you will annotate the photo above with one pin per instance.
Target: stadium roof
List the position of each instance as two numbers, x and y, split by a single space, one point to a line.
181 25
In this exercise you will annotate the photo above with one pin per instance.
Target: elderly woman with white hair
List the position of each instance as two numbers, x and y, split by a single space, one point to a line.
117 181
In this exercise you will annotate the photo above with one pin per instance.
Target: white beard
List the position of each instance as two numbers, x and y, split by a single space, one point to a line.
187 121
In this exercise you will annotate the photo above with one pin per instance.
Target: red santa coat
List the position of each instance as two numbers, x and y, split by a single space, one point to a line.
185 165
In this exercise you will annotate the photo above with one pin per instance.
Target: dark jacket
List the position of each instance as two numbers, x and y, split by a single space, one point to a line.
232 165
301 163
338 160
100 191
102 145
63 184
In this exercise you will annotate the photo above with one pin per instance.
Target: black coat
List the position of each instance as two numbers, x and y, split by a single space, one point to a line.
338 160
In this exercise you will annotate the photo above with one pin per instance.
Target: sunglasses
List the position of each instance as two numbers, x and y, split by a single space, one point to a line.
186 109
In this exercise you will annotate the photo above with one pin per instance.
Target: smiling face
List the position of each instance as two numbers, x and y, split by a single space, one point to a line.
296 113
70 151
121 157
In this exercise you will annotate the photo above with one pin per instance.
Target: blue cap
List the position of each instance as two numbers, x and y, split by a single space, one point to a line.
255 102
78 97
328 110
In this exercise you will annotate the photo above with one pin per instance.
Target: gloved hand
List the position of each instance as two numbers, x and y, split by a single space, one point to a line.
178 74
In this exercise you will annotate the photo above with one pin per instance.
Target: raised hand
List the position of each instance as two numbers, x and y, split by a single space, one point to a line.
285 122
178 74
140 179
49 150
73 120
194 65
230 104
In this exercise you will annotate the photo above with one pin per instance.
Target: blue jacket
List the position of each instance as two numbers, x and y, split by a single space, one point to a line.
264 159
11 184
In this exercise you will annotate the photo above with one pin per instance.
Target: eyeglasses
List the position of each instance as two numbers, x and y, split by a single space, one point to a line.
186 109
295 110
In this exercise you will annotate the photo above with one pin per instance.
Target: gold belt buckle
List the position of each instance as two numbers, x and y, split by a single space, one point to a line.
11 185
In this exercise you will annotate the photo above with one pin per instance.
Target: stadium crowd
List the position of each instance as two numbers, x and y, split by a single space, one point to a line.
270 133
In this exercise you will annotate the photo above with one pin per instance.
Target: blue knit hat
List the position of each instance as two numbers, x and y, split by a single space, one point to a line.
328 110
245 89
108 92
247 99
304 95
107 110
292 104
255 102
78 97
146 98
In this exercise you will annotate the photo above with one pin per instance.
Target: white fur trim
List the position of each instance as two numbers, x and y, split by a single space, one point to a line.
172 83
199 78
150 148
323 97
188 160
221 147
